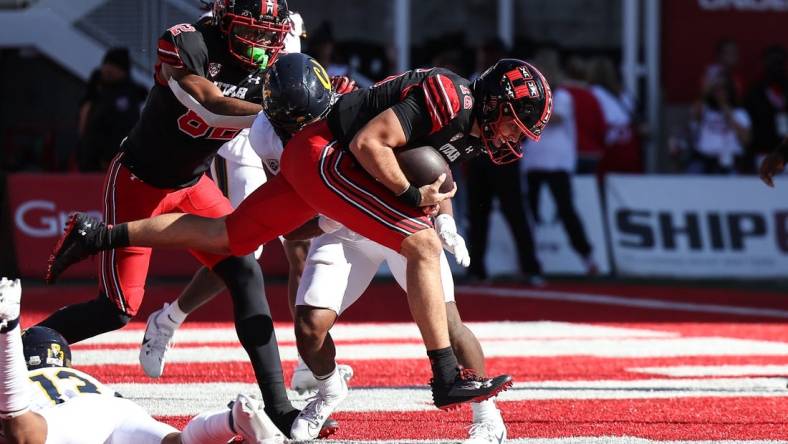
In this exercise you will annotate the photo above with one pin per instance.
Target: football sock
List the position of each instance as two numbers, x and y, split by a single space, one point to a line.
77 322
172 315
16 391
255 329
485 411
331 385
112 236
300 364
209 427
444 365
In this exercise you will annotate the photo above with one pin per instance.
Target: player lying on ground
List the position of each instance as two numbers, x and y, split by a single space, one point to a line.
341 263
44 400
208 87
320 174
237 170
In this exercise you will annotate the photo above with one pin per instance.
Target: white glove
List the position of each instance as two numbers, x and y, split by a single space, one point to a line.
327 224
451 239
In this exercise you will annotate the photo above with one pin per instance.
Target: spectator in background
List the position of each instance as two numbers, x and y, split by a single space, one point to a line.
322 47
622 137
109 110
552 160
724 67
588 116
767 103
488 181
720 127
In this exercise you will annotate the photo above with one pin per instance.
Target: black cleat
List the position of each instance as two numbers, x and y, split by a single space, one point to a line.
78 242
467 387
285 422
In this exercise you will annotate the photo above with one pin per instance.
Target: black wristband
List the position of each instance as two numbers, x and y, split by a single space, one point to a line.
10 325
411 196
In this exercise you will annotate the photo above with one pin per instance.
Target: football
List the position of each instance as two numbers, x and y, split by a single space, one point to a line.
422 165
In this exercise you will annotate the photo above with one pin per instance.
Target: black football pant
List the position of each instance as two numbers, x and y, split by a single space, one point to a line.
485 182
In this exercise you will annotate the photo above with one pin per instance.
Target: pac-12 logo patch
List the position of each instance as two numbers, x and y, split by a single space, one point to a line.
214 68
273 165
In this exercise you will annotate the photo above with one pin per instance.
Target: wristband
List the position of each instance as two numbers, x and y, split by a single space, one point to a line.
411 196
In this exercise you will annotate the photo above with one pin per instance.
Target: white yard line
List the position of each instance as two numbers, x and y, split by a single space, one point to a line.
625 301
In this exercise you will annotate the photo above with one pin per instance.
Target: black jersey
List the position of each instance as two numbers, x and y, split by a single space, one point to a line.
171 146
434 107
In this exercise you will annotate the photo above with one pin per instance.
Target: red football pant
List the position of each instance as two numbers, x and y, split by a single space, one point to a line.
318 177
123 271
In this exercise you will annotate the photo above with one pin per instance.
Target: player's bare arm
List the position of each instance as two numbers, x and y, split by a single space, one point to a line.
374 146
207 95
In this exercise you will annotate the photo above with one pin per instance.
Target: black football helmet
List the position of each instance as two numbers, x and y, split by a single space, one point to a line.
296 92
44 347
511 88
255 29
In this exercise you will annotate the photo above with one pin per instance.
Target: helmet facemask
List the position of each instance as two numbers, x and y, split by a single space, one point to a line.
255 43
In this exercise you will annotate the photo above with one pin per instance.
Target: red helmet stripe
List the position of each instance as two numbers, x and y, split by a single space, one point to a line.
274 8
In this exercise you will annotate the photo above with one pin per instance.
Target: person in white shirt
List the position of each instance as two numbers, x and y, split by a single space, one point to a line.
721 130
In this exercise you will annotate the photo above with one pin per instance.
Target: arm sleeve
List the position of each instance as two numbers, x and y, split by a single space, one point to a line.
183 47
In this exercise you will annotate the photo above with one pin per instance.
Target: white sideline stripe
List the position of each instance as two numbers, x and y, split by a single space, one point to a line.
190 399
713 370
483 330
580 440
625 301
609 348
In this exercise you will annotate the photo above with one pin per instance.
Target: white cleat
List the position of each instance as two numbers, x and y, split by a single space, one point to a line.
303 381
155 343
492 431
250 421
308 423
10 297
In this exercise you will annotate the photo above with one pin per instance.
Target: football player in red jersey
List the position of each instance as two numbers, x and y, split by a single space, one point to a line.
320 174
208 86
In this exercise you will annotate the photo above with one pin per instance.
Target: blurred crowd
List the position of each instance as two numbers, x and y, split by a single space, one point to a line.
731 125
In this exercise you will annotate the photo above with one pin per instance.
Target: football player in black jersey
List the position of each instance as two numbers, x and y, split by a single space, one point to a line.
320 174
208 86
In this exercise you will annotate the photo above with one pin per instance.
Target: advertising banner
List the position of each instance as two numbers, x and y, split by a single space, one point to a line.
552 244
697 227
39 208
